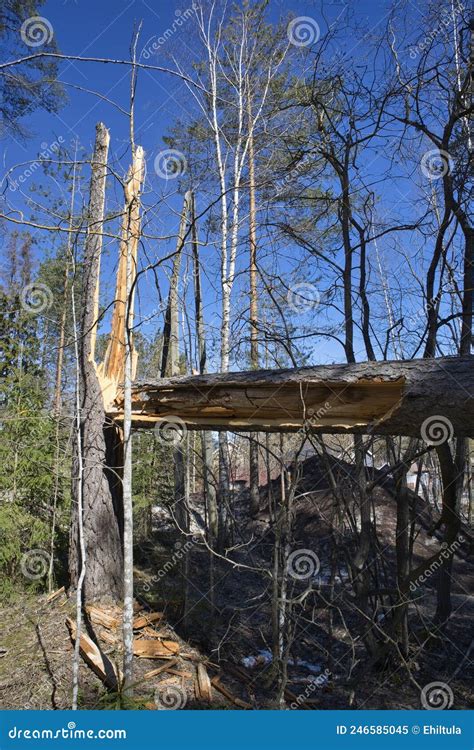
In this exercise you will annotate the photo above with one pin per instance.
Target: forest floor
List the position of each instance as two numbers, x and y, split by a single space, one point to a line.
36 653
328 667
36 656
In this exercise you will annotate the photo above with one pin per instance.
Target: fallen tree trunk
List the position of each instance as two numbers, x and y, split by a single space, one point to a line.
428 398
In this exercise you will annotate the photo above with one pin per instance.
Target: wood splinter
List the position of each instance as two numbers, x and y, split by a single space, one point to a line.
95 658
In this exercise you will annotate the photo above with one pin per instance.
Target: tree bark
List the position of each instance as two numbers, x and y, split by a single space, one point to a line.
101 501
386 398
129 250
451 522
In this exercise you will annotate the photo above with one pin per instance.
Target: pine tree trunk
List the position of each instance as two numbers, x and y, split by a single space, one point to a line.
427 398
101 491
57 402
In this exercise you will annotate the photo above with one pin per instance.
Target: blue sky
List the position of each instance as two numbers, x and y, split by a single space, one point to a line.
103 29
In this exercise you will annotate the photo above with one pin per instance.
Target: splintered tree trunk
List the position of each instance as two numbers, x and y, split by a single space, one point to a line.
102 505
427 398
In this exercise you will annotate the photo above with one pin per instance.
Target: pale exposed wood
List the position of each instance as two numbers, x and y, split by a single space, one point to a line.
155 649
371 397
143 620
149 631
55 594
185 674
111 370
93 656
163 668
108 637
203 687
172 646
168 681
99 616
